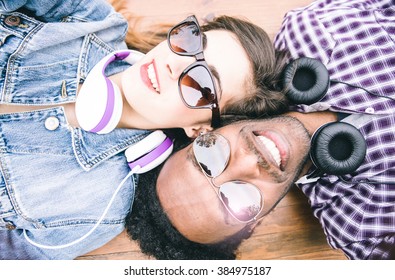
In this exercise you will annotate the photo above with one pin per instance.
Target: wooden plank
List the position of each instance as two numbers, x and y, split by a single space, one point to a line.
267 14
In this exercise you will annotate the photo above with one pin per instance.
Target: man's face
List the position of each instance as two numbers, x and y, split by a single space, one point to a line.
193 205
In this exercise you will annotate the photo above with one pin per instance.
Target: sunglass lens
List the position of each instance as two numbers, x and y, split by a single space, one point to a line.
243 200
197 87
185 38
212 153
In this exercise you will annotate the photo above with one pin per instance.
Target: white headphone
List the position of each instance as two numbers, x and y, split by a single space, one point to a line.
99 109
149 152
143 156
99 103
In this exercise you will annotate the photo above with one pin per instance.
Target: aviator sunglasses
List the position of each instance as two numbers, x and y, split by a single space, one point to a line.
196 84
242 200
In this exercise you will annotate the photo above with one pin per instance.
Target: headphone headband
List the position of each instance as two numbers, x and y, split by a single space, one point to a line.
99 101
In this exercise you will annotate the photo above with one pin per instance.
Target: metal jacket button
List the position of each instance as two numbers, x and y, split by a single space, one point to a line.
12 20
10 226
51 123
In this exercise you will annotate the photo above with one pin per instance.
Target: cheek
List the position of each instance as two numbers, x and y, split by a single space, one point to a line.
199 208
174 108
189 203
171 98
166 110
172 111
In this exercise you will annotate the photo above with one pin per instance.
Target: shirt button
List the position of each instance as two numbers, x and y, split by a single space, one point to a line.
10 226
369 110
12 21
51 123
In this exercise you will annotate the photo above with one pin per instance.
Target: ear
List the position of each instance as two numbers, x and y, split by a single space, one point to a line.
194 131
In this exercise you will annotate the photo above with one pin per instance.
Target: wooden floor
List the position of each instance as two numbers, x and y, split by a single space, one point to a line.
290 232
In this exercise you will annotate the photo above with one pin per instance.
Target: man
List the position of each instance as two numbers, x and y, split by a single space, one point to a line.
188 214
358 218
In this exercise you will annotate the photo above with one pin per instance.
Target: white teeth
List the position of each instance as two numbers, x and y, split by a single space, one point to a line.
152 77
272 148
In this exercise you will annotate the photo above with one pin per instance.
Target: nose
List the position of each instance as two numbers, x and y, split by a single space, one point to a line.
176 64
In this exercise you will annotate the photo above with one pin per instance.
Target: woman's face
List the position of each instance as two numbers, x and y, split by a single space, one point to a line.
152 100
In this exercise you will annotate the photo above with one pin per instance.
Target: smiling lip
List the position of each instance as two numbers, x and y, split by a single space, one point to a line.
145 77
280 144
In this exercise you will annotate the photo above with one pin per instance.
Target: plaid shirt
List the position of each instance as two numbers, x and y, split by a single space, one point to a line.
355 40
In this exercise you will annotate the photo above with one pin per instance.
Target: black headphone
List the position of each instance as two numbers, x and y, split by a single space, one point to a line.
305 80
337 148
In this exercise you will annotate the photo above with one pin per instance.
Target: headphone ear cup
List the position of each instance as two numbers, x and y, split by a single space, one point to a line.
305 80
99 110
149 152
99 102
113 112
337 148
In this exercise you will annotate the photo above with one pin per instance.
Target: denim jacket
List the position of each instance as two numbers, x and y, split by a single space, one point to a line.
56 180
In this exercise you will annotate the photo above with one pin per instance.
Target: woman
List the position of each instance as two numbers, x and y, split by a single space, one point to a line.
56 178
252 93
260 95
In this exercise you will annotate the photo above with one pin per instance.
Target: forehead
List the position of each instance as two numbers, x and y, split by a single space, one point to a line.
183 172
226 54
223 48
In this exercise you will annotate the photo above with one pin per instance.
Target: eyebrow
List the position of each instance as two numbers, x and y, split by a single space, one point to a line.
213 70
